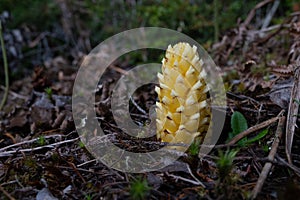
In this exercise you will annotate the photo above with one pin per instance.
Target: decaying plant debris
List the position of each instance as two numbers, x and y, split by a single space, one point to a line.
41 155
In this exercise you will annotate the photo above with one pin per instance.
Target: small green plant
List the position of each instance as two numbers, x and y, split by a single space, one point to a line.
139 188
238 125
194 148
41 140
81 144
88 197
227 184
225 163
49 92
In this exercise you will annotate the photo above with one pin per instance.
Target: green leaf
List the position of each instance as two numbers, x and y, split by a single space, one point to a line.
238 123
258 137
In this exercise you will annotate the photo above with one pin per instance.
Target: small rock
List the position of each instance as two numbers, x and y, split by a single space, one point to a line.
45 194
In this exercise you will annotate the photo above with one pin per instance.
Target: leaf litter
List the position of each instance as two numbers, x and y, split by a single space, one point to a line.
39 143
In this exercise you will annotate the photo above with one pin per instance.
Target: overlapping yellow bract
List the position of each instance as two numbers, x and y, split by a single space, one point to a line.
182 110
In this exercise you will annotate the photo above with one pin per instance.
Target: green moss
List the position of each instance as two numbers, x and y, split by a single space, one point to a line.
195 147
41 140
30 163
225 163
139 188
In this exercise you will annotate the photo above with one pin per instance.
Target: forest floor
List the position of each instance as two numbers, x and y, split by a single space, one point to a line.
42 157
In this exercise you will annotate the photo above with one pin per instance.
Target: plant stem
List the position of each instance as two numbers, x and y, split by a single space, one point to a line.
5 69
216 20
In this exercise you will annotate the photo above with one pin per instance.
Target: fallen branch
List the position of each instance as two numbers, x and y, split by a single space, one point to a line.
267 167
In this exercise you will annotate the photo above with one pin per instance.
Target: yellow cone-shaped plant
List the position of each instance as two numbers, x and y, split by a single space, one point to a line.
182 111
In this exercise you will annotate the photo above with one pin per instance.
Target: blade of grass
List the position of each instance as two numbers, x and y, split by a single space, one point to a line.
257 137
5 68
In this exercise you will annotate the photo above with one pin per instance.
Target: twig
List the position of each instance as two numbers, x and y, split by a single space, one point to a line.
291 166
295 13
8 153
81 169
192 175
28 142
18 182
185 179
6 193
270 14
87 162
14 93
243 27
271 35
292 114
76 171
271 28
252 129
118 69
5 68
8 183
252 12
267 167
137 106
